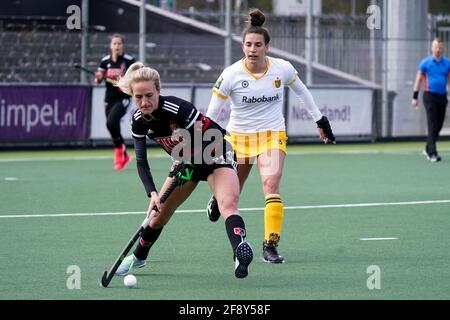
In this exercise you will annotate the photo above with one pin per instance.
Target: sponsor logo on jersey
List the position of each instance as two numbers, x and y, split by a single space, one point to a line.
218 83
277 83
244 84
188 119
173 126
125 102
260 99
167 143
115 73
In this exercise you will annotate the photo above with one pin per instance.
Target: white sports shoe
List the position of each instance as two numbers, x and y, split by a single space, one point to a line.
129 262
433 158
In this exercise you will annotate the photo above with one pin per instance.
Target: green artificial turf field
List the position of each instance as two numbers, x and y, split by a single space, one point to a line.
60 209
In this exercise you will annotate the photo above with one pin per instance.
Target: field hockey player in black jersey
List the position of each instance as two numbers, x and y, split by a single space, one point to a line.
117 102
173 122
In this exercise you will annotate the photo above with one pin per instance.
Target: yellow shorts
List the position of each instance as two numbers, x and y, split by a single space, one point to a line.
249 145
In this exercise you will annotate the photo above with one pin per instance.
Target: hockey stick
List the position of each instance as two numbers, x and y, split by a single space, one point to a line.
108 275
84 69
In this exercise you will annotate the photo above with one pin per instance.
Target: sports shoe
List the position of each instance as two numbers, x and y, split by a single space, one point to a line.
212 209
122 165
121 158
243 258
435 158
119 155
129 262
270 253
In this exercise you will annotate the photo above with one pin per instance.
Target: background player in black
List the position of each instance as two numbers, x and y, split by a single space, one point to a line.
162 119
112 67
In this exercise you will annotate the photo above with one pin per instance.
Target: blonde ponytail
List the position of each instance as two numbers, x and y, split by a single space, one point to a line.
138 72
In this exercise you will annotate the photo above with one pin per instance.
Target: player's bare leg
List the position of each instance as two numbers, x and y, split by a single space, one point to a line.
152 232
212 209
225 184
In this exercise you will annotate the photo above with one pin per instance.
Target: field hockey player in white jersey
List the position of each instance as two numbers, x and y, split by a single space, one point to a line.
255 86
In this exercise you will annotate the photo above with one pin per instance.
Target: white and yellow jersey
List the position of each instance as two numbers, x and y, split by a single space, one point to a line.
256 102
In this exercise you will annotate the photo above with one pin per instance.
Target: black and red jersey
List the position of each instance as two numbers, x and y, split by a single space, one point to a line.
172 114
113 70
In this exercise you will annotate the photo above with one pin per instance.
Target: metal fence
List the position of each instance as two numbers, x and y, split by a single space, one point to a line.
45 53
340 42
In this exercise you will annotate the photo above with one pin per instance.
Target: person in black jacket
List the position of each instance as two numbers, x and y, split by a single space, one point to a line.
111 68
199 153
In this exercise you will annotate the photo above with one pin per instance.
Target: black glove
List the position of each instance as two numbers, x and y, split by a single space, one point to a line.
183 172
324 124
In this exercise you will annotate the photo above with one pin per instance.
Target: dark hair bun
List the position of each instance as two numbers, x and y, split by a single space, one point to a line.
256 18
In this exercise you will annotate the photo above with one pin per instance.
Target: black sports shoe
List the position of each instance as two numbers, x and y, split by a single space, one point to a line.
212 209
270 253
243 258
433 158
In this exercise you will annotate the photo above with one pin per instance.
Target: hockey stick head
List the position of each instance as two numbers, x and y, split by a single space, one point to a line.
104 281
108 275
81 68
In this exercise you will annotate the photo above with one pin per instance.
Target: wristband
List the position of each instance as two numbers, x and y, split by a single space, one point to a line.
415 95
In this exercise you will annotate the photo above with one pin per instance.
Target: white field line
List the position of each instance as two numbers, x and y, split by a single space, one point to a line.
327 206
377 239
295 153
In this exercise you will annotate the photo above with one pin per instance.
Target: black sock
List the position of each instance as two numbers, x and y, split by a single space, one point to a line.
235 230
147 239
118 142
